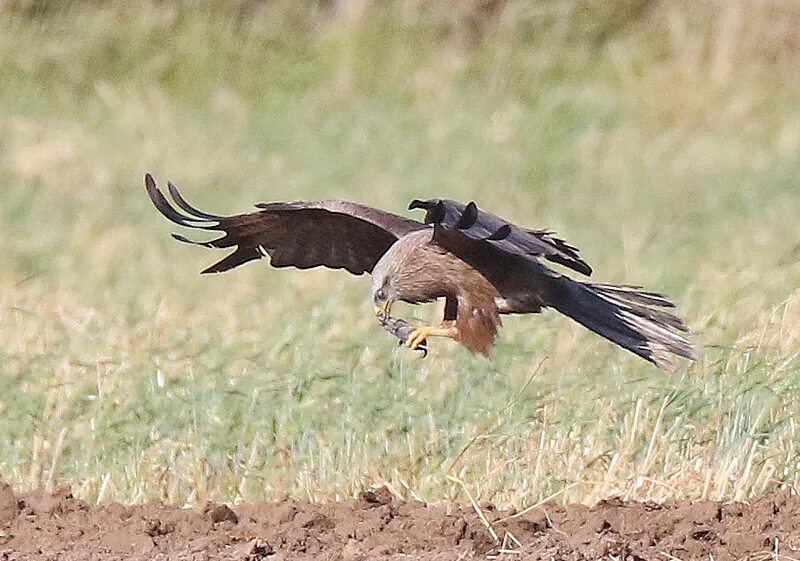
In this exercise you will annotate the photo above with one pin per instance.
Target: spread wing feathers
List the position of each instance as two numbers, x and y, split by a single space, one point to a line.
334 234
481 225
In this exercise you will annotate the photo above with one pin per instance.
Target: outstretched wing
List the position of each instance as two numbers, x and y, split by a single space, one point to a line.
334 234
480 225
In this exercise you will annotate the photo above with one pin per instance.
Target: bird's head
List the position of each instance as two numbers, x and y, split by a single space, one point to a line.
383 294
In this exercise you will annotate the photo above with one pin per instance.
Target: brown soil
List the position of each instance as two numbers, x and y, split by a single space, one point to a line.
58 526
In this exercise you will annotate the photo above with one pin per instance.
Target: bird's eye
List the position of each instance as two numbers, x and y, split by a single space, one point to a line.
380 295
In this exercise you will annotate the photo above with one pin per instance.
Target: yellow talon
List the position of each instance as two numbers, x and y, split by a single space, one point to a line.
417 337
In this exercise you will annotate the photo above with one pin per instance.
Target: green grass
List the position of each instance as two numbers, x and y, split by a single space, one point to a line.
667 147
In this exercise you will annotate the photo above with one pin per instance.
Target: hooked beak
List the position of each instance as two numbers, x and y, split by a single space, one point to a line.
384 308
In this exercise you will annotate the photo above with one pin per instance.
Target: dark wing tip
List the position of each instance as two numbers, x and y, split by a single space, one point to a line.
164 207
579 265
425 205
469 217
435 209
185 206
184 239
152 190
239 257
501 233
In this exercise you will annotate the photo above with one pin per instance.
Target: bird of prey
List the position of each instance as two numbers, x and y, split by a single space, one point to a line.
481 265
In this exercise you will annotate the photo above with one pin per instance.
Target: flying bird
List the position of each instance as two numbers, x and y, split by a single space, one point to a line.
483 266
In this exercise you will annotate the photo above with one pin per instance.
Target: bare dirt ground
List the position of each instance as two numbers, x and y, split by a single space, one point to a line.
376 526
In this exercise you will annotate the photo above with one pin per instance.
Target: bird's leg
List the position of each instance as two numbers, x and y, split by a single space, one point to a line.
419 335
385 309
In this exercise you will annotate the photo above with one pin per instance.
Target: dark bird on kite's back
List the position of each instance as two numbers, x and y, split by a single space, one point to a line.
481 265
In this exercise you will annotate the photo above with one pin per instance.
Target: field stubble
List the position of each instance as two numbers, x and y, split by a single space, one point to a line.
130 377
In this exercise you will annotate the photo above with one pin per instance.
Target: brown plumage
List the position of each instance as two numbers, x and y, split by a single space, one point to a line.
480 264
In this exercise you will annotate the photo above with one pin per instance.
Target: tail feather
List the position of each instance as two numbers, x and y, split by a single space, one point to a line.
634 293
621 314
637 303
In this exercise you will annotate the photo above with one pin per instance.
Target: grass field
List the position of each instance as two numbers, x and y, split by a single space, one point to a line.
662 141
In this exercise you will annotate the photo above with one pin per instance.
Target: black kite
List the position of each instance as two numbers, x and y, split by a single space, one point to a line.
482 265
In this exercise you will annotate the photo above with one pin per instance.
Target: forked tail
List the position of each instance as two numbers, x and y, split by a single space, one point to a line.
627 316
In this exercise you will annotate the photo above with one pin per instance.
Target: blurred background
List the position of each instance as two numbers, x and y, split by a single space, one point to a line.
662 138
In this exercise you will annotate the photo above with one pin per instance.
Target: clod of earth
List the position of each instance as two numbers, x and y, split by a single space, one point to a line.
378 525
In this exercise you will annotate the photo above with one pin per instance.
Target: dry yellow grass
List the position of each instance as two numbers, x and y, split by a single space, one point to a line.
664 142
